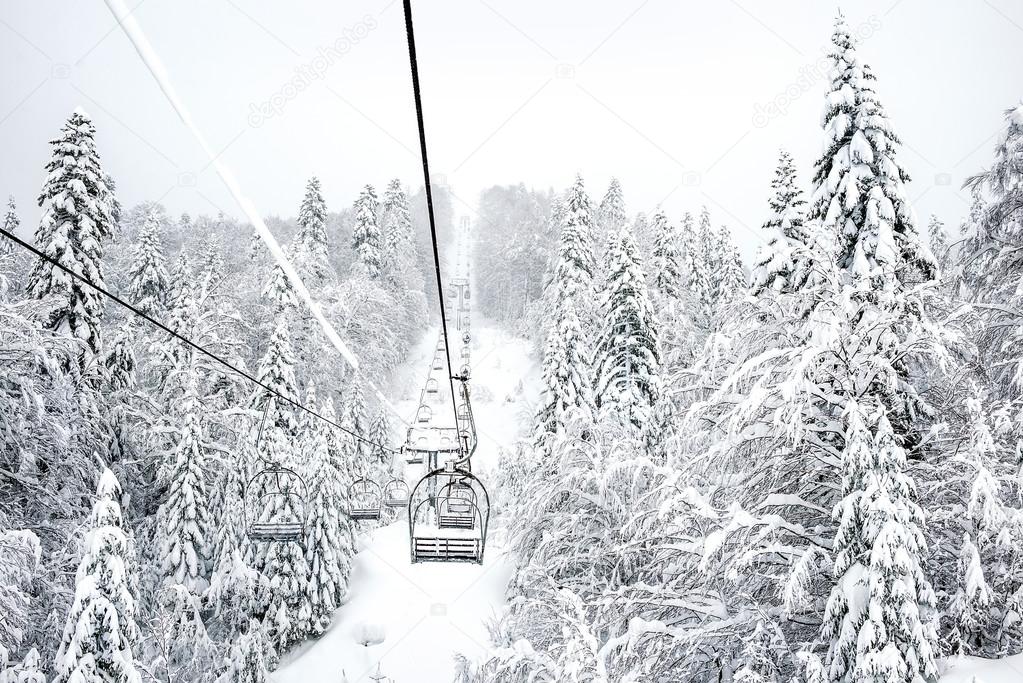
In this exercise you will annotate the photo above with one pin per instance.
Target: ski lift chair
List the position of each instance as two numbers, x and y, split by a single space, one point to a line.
432 386
438 362
424 414
464 371
365 497
440 345
396 493
274 498
440 529
466 338
275 505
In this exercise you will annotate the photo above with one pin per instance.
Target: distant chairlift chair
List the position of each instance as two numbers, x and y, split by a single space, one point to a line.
432 386
365 498
424 414
396 493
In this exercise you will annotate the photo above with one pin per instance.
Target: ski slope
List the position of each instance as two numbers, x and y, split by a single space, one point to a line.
411 620
975 669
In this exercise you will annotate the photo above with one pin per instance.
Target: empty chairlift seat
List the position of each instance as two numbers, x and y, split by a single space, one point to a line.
424 414
449 511
396 493
432 386
275 505
365 499
438 362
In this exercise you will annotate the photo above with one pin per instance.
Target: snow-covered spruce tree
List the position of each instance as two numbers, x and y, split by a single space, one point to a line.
328 541
732 281
100 631
76 220
611 218
859 187
400 251
277 371
312 235
367 240
938 241
567 376
231 594
627 356
149 283
379 433
574 268
567 361
355 419
249 657
11 224
776 267
704 272
859 198
666 266
873 618
184 527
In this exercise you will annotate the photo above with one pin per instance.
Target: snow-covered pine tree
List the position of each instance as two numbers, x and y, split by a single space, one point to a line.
939 240
277 371
279 291
731 283
100 631
611 218
312 234
667 263
859 187
341 458
705 272
367 241
399 242
328 541
574 268
354 419
776 268
77 219
379 432
11 224
149 283
567 376
249 657
184 527
875 619
628 356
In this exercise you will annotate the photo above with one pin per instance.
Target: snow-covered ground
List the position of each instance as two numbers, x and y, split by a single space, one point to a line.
976 670
417 617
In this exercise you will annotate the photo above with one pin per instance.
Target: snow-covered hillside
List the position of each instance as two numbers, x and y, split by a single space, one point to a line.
411 620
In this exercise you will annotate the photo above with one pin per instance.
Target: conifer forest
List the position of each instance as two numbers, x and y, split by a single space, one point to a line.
678 376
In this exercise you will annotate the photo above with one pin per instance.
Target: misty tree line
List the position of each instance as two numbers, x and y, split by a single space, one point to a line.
806 473
125 453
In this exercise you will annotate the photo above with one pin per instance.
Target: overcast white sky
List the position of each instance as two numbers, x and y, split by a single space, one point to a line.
666 94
